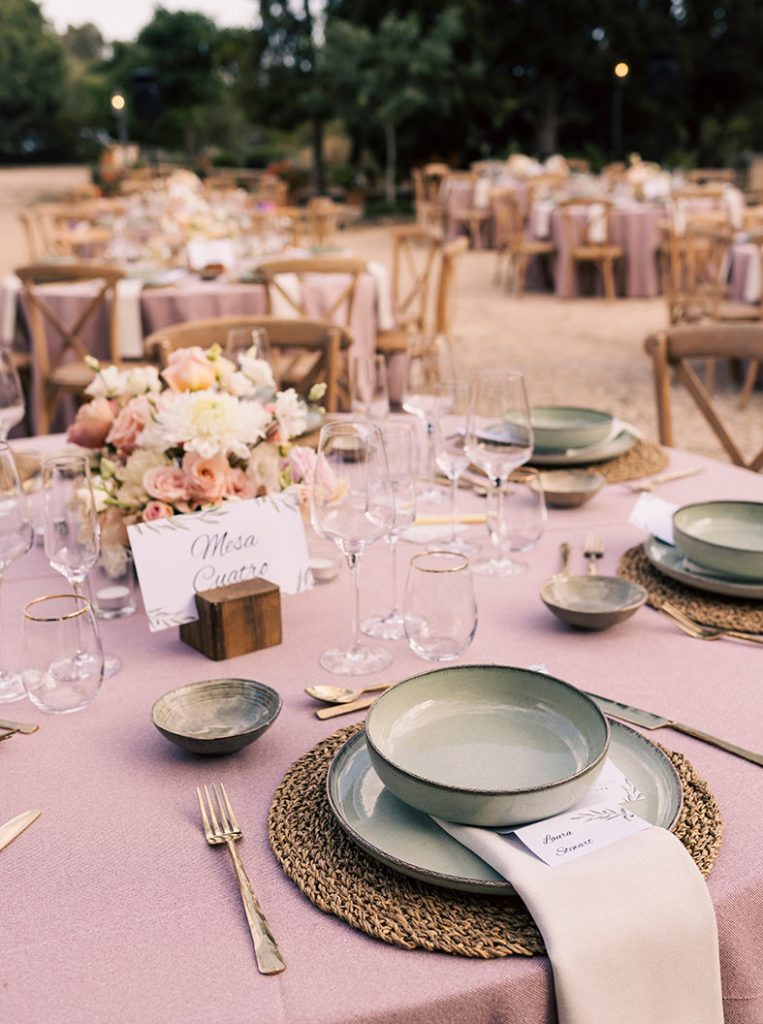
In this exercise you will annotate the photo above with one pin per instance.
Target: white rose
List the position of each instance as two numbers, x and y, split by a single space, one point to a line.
291 413
259 371
143 380
109 382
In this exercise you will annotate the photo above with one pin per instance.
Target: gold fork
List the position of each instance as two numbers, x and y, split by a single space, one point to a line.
700 632
593 549
227 831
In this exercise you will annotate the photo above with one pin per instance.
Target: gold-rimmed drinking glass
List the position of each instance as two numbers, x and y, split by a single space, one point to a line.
62 653
440 608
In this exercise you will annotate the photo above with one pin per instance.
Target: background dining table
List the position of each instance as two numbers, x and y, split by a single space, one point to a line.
115 909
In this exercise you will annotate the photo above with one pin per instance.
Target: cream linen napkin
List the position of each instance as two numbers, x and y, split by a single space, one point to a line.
541 218
384 312
129 327
597 224
279 304
629 929
482 187
752 283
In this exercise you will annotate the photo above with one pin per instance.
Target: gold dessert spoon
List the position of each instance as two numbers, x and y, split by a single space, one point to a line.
341 694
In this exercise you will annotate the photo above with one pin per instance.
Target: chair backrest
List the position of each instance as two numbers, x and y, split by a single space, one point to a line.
280 275
288 339
414 253
672 352
703 175
597 211
695 265
40 313
444 294
507 216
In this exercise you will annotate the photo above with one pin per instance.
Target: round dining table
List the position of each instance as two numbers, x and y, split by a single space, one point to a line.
114 908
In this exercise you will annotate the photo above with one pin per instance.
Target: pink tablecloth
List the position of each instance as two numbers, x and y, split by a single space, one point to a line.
114 908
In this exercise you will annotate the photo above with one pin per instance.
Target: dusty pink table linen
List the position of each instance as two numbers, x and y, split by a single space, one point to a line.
114 908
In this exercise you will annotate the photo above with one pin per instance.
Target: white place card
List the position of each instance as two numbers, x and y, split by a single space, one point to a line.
601 818
178 557
654 516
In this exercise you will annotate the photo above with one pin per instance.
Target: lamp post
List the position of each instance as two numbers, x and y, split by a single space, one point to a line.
119 106
621 72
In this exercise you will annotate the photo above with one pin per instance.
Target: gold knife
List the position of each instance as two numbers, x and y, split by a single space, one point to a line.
648 720
16 826
6 723
345 709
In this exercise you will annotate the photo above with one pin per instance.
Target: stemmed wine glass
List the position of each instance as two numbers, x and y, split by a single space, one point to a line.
16 535
352 504
516 517
499 438
451 458
429 364
72 534
401 460
11 394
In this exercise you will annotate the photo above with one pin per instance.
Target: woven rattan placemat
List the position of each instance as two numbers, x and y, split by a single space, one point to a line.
643 459
340 879
710 609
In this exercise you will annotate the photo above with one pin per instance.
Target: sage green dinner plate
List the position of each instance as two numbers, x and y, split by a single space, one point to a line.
619 445
410 843
669 560
725 537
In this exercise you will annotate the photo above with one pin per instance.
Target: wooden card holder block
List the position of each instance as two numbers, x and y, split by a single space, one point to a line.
235 620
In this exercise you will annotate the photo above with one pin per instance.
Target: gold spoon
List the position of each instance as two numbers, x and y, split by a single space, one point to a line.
341 694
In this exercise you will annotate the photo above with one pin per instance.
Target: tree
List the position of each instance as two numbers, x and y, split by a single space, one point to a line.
32 77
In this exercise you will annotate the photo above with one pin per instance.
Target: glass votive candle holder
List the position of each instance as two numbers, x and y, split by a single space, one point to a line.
439 607
111 583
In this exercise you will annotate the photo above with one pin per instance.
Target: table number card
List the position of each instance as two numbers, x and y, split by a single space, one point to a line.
177 557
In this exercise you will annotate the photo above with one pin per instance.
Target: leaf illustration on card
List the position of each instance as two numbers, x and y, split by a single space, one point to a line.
604 814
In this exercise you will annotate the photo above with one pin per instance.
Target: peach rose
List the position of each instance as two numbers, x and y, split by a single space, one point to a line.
92 423
130 422
166 483
207 479
240 485
189 369
157 510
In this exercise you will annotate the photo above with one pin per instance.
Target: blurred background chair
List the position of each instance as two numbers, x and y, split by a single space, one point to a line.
514 248
586 236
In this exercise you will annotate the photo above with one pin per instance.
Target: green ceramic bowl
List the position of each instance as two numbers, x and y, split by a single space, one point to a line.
487 744
217 716
561 427
570 488
723 536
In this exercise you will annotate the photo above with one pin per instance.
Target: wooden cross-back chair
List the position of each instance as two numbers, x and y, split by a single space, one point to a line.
514 248
61 369
444 292
281 293
414 254
304 352
602 254
672 352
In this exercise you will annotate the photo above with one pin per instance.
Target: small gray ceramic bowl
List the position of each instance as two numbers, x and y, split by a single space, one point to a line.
569 488
592 602
217 716
723 536
487 744
561 427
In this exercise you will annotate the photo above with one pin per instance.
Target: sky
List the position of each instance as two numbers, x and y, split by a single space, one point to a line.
123 20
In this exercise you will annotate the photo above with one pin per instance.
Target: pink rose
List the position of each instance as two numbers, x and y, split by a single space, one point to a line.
240 485
189 369
166 483
130 422
157 510
92 423
302 461
207 479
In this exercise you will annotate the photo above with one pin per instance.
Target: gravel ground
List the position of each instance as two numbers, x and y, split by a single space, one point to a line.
580 351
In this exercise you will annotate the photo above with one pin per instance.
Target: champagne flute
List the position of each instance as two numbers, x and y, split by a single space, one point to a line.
352 504
499 438
401 459
369 391
11 394
515 523
72 534
429 364
16 535
451 458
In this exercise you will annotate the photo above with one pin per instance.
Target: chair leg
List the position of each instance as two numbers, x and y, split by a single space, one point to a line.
709 374
749 383
521 275
609 279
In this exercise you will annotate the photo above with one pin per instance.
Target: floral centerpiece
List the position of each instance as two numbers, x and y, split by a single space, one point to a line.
198 433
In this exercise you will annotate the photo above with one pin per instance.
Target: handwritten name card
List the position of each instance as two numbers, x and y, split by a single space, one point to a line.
178 557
